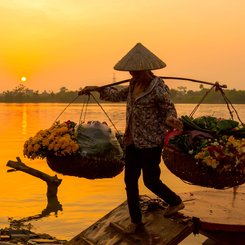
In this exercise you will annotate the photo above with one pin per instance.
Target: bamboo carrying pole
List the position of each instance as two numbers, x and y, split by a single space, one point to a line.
173 78
216 86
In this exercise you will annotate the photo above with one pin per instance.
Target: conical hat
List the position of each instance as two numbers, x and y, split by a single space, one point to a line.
139 58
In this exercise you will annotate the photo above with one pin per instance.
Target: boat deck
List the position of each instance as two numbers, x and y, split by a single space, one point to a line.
217 214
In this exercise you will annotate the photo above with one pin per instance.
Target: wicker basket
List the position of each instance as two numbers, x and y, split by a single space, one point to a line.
87 168
193 172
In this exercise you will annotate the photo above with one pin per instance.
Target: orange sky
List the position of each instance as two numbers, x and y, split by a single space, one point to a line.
77 42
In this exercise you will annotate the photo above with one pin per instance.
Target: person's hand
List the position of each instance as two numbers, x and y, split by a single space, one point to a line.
174 122
87 90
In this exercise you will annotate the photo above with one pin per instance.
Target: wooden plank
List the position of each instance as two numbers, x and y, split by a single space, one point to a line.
134 238
87 241
146 237
157 228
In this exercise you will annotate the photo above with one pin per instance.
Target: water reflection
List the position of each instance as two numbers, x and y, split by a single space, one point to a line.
53 206
53 182
24 120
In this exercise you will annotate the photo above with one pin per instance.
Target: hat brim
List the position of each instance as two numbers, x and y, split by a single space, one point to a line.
139 58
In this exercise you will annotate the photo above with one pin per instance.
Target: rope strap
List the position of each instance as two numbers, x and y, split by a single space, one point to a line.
105 113
229 105
84 110
65 109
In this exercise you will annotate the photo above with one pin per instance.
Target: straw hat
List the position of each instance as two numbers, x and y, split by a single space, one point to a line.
139 58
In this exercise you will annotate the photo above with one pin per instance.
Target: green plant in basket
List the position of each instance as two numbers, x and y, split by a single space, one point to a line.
213 125
58 140
216 143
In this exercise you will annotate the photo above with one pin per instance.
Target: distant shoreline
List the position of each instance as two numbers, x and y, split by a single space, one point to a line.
22 94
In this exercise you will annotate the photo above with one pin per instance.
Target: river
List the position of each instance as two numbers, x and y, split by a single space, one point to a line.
82 201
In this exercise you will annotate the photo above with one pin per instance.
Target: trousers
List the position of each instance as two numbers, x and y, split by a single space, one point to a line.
148 161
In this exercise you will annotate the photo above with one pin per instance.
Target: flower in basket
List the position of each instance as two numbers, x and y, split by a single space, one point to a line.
90 140
58 140
89 150
224 154
216 143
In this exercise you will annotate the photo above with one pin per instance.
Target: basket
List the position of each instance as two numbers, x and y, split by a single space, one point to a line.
192 171
80 166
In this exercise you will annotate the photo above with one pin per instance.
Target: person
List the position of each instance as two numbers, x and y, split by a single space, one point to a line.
150 113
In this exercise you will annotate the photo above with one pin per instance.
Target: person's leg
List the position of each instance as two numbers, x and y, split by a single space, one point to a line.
151 158
132 174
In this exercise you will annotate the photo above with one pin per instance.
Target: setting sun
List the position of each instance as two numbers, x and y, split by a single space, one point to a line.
23 79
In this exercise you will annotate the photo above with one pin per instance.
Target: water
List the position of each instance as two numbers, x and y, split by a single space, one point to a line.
82 201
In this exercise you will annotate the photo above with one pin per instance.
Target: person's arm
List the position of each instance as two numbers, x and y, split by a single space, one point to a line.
108 93
114 94
166 103
174 122
88 89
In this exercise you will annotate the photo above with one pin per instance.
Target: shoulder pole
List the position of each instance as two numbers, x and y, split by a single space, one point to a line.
173 78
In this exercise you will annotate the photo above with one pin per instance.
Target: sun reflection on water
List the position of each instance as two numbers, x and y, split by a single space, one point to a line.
24 120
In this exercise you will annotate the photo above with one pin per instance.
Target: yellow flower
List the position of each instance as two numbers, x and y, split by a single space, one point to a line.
51 146
36 147
45 142
227 155
33 156
58 140
74 147
30 148
210 162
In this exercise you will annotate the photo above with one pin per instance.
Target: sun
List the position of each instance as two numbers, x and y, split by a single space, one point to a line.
23 79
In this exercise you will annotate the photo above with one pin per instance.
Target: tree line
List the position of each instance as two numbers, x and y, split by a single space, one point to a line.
22 94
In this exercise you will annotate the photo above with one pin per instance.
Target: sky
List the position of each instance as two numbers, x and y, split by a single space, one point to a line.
76 43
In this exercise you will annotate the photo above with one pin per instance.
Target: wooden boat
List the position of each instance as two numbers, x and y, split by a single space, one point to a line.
217 214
